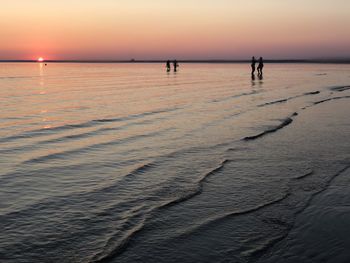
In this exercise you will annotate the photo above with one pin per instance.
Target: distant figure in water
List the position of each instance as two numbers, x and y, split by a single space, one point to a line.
253 65
175 65
260 67
168 66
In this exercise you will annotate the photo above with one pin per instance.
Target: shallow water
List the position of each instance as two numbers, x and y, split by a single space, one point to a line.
128 163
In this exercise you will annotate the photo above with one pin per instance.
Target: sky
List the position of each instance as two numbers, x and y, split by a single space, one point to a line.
182 29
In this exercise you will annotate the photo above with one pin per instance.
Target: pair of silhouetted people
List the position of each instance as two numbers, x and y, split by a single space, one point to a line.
260 66
175 65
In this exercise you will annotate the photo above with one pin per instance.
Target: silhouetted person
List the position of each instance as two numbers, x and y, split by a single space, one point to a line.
260 66
253 65
168 66
175 65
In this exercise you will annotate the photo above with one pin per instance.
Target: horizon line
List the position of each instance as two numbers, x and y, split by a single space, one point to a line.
317 60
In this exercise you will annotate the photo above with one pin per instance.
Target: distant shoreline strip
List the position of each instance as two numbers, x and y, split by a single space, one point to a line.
213 61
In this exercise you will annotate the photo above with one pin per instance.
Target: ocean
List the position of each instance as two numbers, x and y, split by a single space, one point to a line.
129 163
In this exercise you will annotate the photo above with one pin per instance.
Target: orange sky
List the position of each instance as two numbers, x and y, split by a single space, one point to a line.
158 29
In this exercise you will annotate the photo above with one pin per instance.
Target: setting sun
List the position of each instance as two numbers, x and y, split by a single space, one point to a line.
40 59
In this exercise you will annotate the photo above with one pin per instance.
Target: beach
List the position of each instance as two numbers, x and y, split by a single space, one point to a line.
130 163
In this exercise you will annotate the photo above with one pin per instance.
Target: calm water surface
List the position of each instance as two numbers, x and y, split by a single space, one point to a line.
128 163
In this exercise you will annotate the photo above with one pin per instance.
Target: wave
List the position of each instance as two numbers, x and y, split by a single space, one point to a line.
257 252
340 88
321 74
143 168
78 136
45 131
19 77
112 250
329 99
237 96
269 244
251 210
6 177
105 256
67 153
237 149
148 165
312 93
198 189
304 175
286 227
283 124
79 197
214 221
289 98
136 116
93 133
215 170
274 102
87 124
324 188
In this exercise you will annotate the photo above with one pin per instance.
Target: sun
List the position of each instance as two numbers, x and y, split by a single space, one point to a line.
40 59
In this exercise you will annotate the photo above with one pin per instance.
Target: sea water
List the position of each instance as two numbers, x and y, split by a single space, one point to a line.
130 163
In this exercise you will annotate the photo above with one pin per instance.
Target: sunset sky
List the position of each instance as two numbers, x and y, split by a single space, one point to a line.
185 29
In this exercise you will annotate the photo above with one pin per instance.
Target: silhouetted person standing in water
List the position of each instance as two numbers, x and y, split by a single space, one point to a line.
168 66
175 65
260 67
253 65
